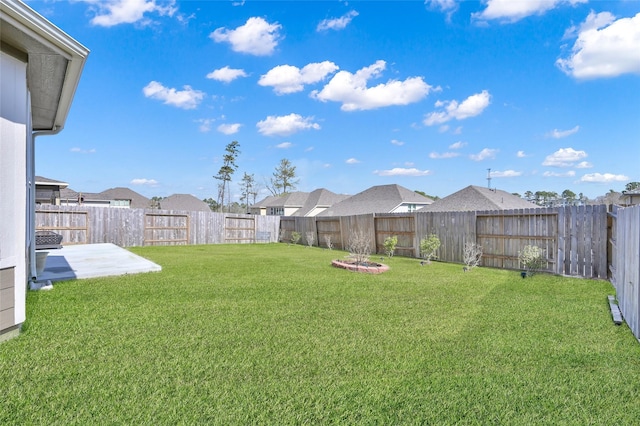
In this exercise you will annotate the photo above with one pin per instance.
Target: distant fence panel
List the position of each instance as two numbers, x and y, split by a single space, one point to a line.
287 226
503 234
362 224
328 229
453 229
626 264
401 226
137 227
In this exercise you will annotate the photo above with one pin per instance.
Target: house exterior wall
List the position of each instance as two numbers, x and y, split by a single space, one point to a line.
15 136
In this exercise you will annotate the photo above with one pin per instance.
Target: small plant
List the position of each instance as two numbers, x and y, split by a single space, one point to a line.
295 237
428 247
327 241
532 259
311 237
390 244
359 247
471 256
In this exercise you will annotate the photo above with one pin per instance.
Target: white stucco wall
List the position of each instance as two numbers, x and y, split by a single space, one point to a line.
13 169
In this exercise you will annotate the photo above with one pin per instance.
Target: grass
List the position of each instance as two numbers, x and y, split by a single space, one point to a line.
271 334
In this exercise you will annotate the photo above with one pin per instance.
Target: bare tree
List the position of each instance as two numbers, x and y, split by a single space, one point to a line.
327 241
359 246
311 237
472 255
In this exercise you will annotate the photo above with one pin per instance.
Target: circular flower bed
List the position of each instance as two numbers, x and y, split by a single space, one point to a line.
365 267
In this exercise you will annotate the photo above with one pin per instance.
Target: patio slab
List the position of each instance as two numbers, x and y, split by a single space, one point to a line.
92 261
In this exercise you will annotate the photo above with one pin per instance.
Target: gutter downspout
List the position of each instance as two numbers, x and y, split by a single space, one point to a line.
32 199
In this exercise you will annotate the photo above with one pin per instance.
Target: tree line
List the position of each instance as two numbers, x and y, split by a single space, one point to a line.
570 198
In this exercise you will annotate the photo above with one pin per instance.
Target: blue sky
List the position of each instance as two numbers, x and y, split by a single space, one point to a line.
428 95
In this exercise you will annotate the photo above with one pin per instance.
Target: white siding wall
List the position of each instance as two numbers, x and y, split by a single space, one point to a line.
13 185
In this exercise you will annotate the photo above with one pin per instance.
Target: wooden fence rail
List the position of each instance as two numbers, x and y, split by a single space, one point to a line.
140 227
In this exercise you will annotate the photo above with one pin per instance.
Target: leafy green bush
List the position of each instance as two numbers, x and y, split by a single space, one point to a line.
390 244
295 237
532 259
428 247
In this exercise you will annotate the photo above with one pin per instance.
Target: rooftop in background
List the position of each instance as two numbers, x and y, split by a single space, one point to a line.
379 199
477 198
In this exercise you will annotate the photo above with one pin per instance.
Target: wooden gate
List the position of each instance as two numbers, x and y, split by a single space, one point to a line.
329 232
239 229
166 229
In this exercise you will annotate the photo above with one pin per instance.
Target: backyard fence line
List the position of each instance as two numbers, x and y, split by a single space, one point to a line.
144 227
625 266
573 238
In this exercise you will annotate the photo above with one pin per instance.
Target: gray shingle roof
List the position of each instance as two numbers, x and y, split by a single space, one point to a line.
40 180
377 199
477 198
321 198
137 201
185 202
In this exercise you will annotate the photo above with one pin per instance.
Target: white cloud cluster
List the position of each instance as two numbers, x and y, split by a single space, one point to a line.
285 125
521 154
437 156
226 74
446 6
352 161
605 47
396 142
564 157
337 23
457 145
284 145
352 91
512 11
255 37
290 79
229 128
559 134
505 174
185 99
570 173
603 178
400 171
143 181
485 154
114 12
470 107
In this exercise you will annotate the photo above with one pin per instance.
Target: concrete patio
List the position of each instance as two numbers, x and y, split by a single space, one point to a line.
91 261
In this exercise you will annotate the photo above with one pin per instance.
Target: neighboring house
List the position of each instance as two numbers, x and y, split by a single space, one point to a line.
477 198
184 202
630 198
40 68
114 197
284 205
319 201
48 190
379 199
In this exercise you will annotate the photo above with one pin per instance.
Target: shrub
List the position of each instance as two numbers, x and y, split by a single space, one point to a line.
428 247
390 244
311 236
327 241
295 237
359 246
472 255
532 259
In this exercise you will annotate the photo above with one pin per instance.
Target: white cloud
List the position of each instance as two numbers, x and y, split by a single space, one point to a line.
505 174
230 128
512 11
255 37
284 145
285 125
226 74
309 149
185 99
290 79
400 171
485 154
205 124
559 134
521 154
115 12
83 151
436 155
470 107
396 142
564 157
604 47
352 161
603 178
584 165
457 145
352 91
143 181
445 6
570 173
337 23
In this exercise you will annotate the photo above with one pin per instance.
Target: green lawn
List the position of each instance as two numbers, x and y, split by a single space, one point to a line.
272 334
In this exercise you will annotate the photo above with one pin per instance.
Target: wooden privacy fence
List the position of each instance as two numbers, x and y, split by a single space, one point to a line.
140 227
574 239
625 266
